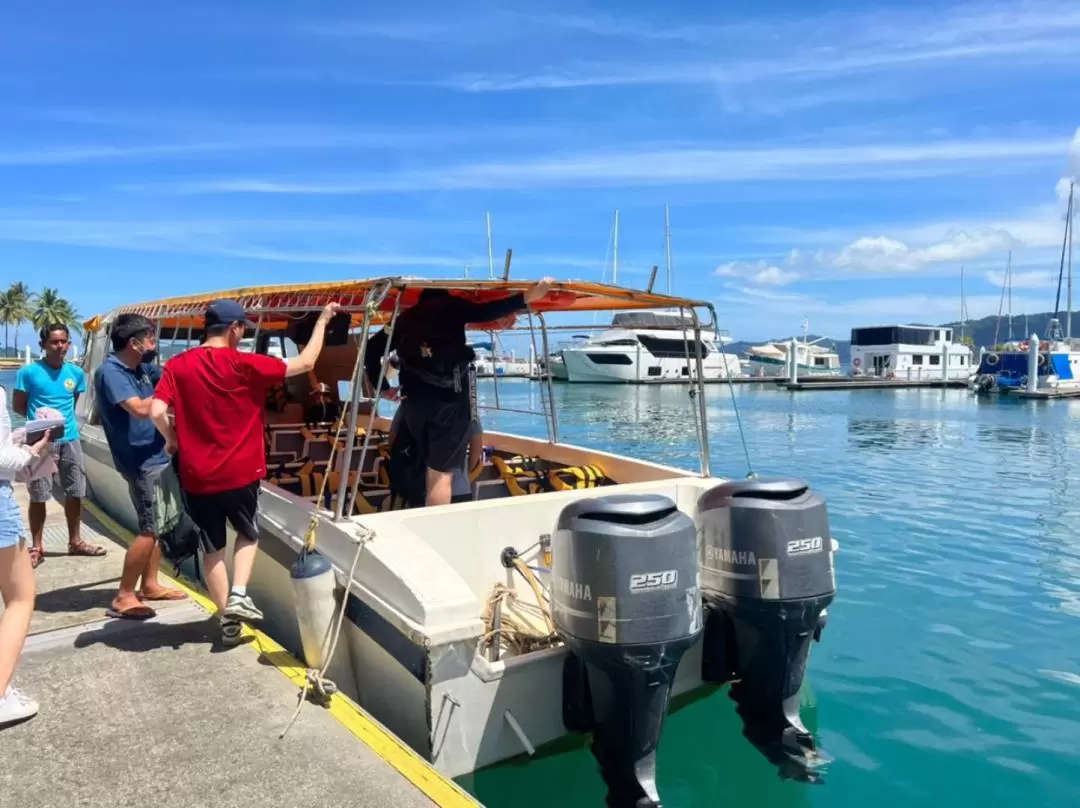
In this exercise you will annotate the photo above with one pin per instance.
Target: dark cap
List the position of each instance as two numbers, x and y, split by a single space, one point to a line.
226 312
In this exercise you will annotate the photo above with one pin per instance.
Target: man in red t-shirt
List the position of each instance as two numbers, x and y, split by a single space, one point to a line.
217 394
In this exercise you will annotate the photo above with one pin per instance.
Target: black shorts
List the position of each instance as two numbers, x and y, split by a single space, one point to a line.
441 427
239 506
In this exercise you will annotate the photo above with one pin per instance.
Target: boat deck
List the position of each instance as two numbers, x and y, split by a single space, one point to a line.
156 713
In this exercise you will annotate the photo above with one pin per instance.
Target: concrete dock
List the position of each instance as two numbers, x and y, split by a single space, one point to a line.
860 383
146 714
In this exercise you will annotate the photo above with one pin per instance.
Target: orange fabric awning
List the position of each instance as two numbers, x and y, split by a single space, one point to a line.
279 304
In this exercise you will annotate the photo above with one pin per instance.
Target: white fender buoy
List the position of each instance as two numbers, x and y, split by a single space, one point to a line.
314 583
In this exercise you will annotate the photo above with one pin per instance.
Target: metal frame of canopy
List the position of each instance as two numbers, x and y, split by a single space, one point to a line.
379 301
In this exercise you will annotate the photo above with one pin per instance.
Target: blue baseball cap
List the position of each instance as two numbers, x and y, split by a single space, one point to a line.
226 312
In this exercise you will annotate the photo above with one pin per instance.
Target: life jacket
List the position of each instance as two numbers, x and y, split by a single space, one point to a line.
407 470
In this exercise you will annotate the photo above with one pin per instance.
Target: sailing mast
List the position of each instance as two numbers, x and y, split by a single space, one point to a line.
963 306
491 255
1009 279
667 246
1069 228
615 257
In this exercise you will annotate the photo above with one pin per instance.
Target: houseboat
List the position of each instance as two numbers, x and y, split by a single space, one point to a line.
909 352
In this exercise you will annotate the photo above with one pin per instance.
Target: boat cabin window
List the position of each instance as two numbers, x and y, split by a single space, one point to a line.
892 335
935 359
671 347
630 343
916 359
650 319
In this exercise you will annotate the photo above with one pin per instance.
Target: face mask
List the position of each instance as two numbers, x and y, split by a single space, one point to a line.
147 356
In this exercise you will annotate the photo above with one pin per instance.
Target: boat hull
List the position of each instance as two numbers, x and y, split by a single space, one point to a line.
437 695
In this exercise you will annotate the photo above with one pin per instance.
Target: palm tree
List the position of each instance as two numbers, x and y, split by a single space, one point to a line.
7 314
20 294
49 307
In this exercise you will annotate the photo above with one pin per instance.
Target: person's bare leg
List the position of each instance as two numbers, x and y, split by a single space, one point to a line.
17 590
217 578
76 545
37 527
440 487
151 588
244 554
126 601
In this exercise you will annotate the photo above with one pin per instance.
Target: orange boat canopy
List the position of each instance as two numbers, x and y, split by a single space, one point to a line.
275 306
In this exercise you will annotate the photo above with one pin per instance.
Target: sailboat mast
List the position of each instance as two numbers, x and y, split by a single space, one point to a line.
491 255
963 311
1008 279
1069 225
667 246
615 258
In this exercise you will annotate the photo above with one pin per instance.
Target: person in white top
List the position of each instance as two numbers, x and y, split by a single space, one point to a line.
16 572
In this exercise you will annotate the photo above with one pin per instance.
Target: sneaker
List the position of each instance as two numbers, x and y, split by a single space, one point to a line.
241 607
231 633
16 708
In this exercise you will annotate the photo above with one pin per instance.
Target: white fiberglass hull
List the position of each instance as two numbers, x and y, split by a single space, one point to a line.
407 654
586 366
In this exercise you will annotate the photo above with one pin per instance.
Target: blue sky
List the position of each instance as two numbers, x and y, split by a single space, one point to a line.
837 164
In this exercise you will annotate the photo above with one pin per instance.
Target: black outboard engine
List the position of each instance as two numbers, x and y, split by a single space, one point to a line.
626 601
767 577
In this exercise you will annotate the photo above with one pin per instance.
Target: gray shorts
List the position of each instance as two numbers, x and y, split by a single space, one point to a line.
69 482
142 489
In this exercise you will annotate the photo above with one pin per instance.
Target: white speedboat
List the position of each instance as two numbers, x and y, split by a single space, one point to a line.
576 592
650 347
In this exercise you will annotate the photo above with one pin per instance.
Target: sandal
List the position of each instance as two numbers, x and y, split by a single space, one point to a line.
81 548
37 557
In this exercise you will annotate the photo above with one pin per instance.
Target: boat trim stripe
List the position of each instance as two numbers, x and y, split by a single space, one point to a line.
437 787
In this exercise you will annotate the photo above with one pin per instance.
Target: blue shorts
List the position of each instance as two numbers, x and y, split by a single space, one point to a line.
11 521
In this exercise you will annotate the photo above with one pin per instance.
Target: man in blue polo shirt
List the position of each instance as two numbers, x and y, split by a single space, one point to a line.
124 388
53 382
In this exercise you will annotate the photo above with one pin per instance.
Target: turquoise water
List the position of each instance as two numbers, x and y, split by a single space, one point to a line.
949 673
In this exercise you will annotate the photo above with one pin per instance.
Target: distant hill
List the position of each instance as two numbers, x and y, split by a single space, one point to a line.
980 331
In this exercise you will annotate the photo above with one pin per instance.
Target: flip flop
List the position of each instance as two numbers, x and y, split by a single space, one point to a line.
83 548
166 594
37 557
134 613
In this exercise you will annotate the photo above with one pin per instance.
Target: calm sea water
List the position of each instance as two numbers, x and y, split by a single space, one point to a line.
949 673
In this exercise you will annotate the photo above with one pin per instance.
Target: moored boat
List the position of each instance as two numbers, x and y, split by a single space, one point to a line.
481 630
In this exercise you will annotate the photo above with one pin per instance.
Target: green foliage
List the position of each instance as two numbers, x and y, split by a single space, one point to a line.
19 305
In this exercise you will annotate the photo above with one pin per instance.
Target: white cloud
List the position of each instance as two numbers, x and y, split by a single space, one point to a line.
1034 279
687 166
760 273
883 254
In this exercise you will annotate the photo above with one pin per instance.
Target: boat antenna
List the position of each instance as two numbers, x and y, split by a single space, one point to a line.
491 255
667 246
1001 302
963 311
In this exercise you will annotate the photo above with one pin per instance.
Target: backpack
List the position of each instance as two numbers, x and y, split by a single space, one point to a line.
408 470
181 539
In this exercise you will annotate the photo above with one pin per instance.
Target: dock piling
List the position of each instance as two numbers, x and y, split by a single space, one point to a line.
1033 364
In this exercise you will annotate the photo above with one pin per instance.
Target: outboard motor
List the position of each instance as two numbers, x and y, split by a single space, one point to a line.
626 601
767 578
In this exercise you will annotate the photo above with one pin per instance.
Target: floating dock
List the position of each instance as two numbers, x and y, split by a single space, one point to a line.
1046 395
855 383
158 712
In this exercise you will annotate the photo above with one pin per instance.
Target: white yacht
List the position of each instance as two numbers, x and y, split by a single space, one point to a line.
649 347
487 629
909 352
772 358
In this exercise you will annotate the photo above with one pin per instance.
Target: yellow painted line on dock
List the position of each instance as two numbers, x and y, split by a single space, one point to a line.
436 786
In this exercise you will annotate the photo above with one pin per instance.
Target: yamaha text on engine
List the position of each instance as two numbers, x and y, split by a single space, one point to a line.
767 578
626 601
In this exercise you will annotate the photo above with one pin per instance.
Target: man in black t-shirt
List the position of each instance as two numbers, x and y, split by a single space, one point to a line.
430 342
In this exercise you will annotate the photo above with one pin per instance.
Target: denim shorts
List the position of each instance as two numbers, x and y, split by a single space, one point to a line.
11 521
